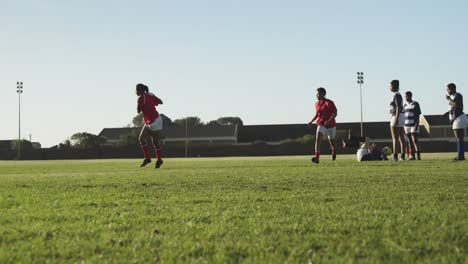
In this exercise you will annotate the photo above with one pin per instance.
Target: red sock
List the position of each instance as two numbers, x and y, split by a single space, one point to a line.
145 151
333 150
317 155
158 152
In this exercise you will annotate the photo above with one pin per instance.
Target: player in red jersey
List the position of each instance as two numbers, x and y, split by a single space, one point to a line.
147 103
325 113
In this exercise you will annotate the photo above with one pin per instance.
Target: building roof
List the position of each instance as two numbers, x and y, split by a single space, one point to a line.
201 132
223 131
115 133
275 133
437 120
6 144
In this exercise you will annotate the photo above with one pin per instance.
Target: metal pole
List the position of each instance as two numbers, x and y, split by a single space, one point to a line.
362 126
19 90
186 138
360 81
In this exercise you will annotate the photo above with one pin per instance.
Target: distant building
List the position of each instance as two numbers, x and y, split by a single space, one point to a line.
223 134
12 145
7 145
439 127
433 128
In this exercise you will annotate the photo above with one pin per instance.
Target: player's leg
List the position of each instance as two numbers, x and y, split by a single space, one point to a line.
156 135
411 146
144 145
402 142
156 128
394 132
318 141
331 139
459 136
417 149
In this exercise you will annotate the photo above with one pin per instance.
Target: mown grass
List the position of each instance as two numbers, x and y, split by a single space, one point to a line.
230 210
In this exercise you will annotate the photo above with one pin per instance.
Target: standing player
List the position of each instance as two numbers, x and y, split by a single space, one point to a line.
412 114
325 113
397 120
458 119
147 103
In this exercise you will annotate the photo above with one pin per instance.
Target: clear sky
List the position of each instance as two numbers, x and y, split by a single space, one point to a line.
260 60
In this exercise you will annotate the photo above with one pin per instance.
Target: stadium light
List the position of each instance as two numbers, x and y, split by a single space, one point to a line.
186 137
360 81
19 90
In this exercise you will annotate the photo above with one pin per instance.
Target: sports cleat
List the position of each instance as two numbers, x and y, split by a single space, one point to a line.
315 160
158 164
394 159
402 159
412 158
145 162
334 157
458 159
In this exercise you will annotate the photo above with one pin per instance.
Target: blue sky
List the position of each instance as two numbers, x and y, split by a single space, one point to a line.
259 60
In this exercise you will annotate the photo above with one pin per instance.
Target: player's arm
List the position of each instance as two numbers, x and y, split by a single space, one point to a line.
158 101
313 120
398 108
140 104
455 101
417 115
334 113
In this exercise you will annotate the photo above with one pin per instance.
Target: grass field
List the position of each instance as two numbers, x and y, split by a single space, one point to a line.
229 210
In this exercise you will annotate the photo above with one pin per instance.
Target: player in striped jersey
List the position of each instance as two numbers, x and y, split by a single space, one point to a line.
412 114
458 118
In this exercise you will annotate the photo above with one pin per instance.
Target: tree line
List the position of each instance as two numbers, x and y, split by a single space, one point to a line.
190 121
85 140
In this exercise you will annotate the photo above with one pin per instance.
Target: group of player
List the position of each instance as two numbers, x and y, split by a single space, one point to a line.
404 123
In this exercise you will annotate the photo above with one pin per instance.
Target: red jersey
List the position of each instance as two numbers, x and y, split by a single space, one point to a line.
147 103
324 110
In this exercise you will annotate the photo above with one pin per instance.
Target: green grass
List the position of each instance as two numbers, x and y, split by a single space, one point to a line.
255 210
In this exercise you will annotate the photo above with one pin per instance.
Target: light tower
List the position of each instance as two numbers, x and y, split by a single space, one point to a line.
360 81
19 90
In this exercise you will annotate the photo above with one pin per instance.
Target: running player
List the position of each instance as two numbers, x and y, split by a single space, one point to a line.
397 120
147 103
457 117
412 114
325 113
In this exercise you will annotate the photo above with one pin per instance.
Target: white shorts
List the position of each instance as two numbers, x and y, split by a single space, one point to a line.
460 122
156 125
330 132
361 153
400 123
411 130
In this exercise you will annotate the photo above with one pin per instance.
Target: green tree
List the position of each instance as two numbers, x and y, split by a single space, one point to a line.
86 140
191 121
166 120
213 123
230 120
66 144
138 121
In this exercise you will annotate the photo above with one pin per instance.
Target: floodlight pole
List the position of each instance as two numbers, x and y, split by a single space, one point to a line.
186 138
19 90
360 81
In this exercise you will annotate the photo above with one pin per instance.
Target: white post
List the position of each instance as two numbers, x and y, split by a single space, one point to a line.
186 138
19 90
360 81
